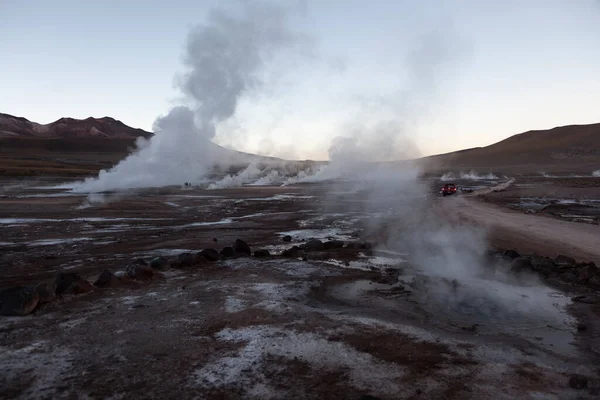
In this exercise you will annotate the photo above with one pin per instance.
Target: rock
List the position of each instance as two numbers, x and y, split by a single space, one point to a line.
209 254
564 260
366 246
293 251
107 279
543 265
587 272
353 245
143 273
287 238
18 301
159 263
242 247
228 252
261 253
587 299
578 381
314 245
333 244
569 276
71 283
46 291
512 254
521 264
594 282
215 240
140 261
186 259
368 397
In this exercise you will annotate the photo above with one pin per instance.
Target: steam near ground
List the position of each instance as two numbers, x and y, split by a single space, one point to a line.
224 57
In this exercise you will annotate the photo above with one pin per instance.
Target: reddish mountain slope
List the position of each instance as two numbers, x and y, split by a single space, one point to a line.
11 126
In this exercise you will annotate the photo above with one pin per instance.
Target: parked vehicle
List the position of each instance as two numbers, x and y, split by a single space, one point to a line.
448 189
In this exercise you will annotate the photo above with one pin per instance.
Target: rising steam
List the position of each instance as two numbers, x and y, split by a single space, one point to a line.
223 58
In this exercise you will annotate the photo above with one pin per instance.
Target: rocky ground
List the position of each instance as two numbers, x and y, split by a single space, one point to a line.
153 295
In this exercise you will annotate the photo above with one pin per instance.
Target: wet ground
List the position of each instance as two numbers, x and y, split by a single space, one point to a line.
570 197
339 324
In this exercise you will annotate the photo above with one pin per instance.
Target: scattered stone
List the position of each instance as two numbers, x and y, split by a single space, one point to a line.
71 283
355 234
314 245
564 260
293 251
570 276
209 254
186 259
512 254
18 301
107 279
587 299
159 263
333 244
587 272
578 382
143 273
228 252
242 247
46 291
287 238
353 245
521 264
140 261
581 327
544 265
262 253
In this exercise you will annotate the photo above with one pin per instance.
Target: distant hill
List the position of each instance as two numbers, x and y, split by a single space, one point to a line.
75 147
573 148
106 127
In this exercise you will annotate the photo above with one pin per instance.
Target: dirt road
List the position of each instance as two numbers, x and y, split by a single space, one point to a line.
529 233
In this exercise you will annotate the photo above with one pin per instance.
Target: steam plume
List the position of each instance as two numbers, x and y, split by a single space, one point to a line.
223 58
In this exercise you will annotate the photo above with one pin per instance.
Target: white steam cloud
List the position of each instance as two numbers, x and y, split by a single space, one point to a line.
224 58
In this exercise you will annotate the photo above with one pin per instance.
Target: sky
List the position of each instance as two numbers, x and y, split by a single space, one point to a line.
452 74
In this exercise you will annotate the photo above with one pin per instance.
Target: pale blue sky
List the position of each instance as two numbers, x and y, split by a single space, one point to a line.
497 68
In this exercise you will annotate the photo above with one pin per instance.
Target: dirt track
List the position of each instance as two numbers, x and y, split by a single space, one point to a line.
530 233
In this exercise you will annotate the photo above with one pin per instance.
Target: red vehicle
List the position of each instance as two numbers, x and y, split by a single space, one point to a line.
448 189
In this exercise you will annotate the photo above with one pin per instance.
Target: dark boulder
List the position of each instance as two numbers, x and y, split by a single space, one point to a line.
543 265
71 283
333 244
209 254
158 263
564 260
353 245
18 301
242 247
228 252
366 246
314 245
186 259
569 276
512 254
578 381
143 273
293 251
140 261
586 271
287 238
107 279
46 291
521 264
262 253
